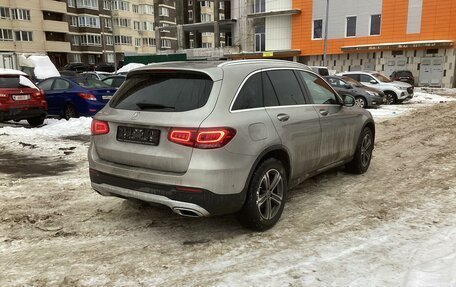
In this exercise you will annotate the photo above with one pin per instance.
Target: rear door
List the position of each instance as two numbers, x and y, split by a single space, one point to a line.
338 123
144 110
49 95
296 122
60 94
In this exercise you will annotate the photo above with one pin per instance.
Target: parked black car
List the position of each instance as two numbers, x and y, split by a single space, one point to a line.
105 67
77 67
365 97
403 76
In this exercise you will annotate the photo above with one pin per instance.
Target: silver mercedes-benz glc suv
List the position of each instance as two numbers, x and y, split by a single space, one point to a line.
210 138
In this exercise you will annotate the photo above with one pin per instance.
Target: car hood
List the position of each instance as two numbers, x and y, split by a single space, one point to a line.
398 84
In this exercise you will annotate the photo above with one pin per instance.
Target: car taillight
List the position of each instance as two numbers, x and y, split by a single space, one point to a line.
203 138
99 127
4 96
88 97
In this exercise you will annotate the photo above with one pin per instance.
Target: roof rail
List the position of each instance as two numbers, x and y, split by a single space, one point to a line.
253 61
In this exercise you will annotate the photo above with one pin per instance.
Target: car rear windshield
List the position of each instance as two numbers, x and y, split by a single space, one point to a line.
163 92
15 82
90 83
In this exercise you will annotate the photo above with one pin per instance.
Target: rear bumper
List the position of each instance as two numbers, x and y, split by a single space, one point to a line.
21 113
188 203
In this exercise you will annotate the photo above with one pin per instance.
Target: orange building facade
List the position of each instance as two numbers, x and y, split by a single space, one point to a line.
382 35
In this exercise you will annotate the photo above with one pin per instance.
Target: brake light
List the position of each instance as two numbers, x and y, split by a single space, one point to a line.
88 97
2 96
99 127
203 138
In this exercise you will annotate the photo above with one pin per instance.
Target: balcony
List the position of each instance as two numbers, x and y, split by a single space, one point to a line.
273 13
55 26
53 5
57 46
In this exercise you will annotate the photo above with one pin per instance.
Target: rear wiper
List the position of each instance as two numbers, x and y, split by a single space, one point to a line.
145 106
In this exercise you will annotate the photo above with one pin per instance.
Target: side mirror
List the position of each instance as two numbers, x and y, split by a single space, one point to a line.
349 100
373 82
348 86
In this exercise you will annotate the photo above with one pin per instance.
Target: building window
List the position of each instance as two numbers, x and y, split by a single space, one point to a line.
147 9
190 2
110 58
350 27
120 5
164 11
75 58
90 40
89 21
108 40
73 21
89 4
122 22
137 25
190 14
71 3
123 40
221 16
4 13
375 23
148 26
207 45
149 42
135 8
221 5
107 23
206 17
260 41
6 35
317 29
165 43
20 14
192 43
205 3
106 4
24 36
91 59
138 42
259 6
74 40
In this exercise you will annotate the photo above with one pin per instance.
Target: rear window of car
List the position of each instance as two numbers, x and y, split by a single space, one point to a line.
90 83
15 82
404 74
163 92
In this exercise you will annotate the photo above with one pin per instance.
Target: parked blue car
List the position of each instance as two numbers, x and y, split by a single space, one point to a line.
71 97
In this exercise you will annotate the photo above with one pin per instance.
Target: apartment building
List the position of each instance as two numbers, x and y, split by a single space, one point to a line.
106 30
381 35
33 26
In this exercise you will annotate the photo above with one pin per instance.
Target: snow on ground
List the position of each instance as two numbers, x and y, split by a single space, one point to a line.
393 226
422 97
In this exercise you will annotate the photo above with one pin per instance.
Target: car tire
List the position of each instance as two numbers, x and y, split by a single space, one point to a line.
391 98
36 121
363 154
360 102
69 112
264 205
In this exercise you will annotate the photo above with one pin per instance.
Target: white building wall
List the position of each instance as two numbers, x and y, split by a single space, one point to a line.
275 5
278 33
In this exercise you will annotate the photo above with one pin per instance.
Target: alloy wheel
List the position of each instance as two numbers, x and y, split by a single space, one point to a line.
270 194
366 149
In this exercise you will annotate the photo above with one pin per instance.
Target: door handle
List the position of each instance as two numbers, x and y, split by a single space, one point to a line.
324 112
283 117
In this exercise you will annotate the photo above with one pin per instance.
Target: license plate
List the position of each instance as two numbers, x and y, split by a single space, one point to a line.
106 97
21 97
138 135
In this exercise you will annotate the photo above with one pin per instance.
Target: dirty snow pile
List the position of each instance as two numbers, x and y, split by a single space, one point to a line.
128 67
421 97
52 128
